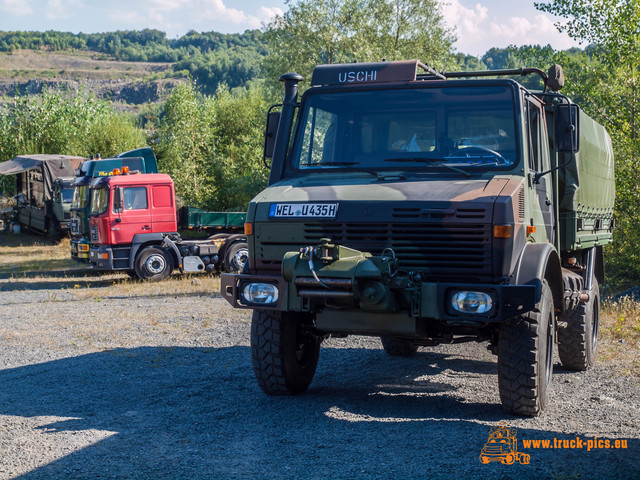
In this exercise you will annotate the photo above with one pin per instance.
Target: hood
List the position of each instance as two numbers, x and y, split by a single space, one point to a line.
447 191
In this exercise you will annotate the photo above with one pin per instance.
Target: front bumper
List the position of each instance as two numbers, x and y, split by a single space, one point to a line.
80 250
101 257
428 300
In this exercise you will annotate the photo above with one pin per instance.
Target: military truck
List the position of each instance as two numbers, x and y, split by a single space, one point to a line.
428 208
141 159
43 191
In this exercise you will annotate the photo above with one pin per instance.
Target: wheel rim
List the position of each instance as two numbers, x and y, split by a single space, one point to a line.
595 322
155 264
240 258
549 350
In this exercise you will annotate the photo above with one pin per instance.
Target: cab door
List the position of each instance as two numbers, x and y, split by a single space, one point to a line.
134 217
540 187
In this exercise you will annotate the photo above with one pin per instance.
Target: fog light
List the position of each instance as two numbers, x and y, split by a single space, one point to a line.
263 293
471 302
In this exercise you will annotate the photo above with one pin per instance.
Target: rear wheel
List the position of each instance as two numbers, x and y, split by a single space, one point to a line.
578 333
525 358
236 256
283 351
154 264
53 230
399 346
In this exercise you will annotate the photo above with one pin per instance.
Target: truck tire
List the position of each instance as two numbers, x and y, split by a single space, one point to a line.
236 256
53 230
154 264
578 333
284 357
398 346
525 358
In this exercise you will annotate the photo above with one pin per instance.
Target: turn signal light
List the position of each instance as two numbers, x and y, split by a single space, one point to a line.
502 231
248 228
530 229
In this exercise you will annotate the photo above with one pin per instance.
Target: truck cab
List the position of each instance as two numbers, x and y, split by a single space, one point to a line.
142 160
426 209
134 228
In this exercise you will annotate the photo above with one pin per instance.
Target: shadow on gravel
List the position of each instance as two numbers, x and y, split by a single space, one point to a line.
197 413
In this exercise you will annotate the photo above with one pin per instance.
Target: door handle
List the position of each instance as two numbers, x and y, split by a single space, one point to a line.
146 227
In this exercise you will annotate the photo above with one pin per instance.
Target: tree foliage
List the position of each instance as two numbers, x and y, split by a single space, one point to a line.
212 146
608 83
316 32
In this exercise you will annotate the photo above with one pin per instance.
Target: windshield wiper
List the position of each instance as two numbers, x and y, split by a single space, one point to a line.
347 166
430 161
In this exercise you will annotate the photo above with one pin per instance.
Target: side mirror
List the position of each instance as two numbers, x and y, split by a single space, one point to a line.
567 128
273 118
118 200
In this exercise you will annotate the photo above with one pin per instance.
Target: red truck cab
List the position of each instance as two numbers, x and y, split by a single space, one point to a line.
134 228
127 212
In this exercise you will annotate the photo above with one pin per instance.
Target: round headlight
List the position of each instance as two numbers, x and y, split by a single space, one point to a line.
471 302
264 293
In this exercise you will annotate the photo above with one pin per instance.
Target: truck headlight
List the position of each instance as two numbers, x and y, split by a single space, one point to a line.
471 302
260 293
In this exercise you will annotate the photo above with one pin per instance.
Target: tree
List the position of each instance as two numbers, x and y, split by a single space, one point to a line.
314 32
610 87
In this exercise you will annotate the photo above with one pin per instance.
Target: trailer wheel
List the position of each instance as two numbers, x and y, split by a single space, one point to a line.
236 256
283 352
578 333
398 346
53 230
525 358
154 264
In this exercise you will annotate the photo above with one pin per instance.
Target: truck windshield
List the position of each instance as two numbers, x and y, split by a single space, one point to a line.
424 128
80 197
99 201
67 195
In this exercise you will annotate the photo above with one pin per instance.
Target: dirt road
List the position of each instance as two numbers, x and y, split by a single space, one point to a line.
104 378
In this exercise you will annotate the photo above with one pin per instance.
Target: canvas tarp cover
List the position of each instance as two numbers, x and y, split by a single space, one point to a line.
50 167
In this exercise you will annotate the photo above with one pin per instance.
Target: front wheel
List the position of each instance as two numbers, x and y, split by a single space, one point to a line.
154 264
525 358
283 351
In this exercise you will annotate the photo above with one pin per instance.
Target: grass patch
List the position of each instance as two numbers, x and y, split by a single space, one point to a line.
620 335
27 253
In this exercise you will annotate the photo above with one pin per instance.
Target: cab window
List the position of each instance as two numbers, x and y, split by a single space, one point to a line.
135 198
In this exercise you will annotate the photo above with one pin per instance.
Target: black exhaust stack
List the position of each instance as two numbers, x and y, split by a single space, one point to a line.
289 104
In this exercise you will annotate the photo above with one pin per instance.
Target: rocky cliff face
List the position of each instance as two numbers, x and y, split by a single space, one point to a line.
133 93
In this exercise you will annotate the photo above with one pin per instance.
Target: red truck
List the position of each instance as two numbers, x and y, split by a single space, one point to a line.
134 228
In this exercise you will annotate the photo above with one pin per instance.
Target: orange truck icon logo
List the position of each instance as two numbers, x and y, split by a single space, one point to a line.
502 446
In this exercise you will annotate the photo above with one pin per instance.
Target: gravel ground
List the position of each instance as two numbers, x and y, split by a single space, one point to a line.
161 386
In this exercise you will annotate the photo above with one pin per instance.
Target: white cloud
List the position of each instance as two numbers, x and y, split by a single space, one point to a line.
16 7
479 29
59 9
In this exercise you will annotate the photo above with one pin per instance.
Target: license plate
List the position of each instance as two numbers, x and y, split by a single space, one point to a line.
303 210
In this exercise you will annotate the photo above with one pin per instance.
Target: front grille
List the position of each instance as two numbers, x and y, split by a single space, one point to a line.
441 249
94 234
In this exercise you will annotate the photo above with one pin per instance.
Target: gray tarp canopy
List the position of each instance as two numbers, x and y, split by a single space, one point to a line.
51 166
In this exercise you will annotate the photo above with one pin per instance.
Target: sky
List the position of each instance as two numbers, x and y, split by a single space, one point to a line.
479 24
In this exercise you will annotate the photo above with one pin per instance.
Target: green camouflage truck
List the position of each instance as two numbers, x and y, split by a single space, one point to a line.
428 208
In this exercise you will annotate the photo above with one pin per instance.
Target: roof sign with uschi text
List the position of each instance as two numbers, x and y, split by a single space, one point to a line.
357 73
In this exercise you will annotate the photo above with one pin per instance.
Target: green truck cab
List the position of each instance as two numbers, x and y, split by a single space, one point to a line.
428 208
140 159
